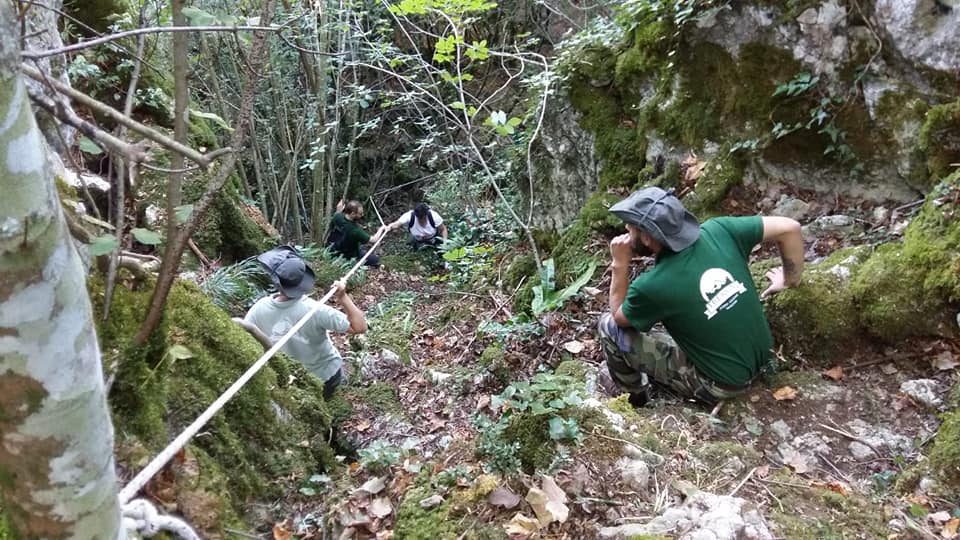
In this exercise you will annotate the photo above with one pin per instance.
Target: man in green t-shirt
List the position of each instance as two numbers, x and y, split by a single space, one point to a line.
347 238
717 338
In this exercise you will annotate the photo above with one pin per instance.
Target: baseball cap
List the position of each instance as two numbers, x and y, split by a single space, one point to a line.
660 214
288 271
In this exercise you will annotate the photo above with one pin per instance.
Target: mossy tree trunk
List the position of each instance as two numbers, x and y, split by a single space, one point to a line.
56 440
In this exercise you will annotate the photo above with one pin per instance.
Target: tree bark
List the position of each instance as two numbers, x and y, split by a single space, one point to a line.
171 261
56 439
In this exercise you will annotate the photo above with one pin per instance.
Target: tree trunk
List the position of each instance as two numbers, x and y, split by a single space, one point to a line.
171 260
56 457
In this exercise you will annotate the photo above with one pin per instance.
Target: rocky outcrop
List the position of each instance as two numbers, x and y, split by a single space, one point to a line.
564 167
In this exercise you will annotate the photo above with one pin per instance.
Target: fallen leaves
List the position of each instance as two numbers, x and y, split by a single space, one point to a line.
796 461
949 530
785 393
573 347
380 507
280 531
693 169
945 361
548 503
372 486
834 486
835 373
504 498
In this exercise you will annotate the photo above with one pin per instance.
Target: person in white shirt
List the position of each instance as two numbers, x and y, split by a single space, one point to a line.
426 227
275 314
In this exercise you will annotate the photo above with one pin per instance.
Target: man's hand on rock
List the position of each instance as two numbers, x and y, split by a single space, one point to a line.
621 249
777 283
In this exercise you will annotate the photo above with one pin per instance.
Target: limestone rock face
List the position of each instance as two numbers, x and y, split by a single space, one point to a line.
923 31
564 167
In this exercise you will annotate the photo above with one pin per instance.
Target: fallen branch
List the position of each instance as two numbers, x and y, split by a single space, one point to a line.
118 117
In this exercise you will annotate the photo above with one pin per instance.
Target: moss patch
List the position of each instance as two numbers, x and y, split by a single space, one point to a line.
258 435
939 138
944 457
811 513
382 397
572 368
416 522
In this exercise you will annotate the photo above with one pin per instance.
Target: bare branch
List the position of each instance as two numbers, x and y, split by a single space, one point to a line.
151 30
118 117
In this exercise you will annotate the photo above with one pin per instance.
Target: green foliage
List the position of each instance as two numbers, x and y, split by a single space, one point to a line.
235 288
379 456
545 295
101 245
449 7
146 236
535 415
391 323
800 83
469 263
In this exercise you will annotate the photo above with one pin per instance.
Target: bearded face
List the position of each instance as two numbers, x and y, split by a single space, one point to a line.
640 248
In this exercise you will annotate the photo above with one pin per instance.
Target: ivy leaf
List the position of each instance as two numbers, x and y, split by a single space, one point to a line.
102 245
87 146
146 236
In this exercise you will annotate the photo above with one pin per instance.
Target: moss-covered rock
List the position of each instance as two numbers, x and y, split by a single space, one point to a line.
193 356
417 522
909 288
939 138
818 318
944 458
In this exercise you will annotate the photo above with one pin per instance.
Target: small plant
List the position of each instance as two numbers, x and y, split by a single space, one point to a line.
518 327
548 400
545 295
315 484
452 476
380 456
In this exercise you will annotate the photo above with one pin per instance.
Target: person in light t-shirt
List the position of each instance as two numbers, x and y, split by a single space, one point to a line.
275 315
425 225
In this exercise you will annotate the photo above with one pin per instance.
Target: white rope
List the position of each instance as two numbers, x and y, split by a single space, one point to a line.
167 454
139 515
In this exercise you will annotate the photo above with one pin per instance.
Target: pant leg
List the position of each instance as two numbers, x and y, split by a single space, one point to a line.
373 260
634 356
331 384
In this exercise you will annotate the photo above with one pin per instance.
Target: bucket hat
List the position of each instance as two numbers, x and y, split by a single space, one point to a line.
288 271
661 215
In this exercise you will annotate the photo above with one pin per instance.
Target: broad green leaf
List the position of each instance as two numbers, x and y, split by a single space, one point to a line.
183 212
538 409
146 236
458 105
102 245
179 352
210 116
308 491
557 403
198 17
89 147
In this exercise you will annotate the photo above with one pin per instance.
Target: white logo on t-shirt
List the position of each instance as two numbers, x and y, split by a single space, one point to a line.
719 290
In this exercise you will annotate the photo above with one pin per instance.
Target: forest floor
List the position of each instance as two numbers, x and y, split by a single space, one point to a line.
817 453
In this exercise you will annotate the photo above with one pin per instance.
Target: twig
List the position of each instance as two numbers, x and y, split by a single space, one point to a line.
744 481
850 436
196 251
241 533
131 152
118 117
492 315
765 488
916 527
631 444
151 30
716 408
834 467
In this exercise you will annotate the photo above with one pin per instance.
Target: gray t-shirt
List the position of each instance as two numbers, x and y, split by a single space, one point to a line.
310 345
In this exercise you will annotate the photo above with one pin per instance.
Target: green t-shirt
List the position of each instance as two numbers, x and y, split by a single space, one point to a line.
705 297
354 236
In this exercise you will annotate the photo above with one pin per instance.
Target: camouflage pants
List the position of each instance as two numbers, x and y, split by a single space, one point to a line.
635 357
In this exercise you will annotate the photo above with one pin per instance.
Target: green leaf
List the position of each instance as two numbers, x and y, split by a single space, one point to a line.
183 212
557 403
458 105
146 236
102 245
918 510
179 352
537 409
198 17
308 491
514 121
87 146
215 118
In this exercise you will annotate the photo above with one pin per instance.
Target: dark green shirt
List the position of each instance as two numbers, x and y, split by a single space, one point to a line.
353 236
705 297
